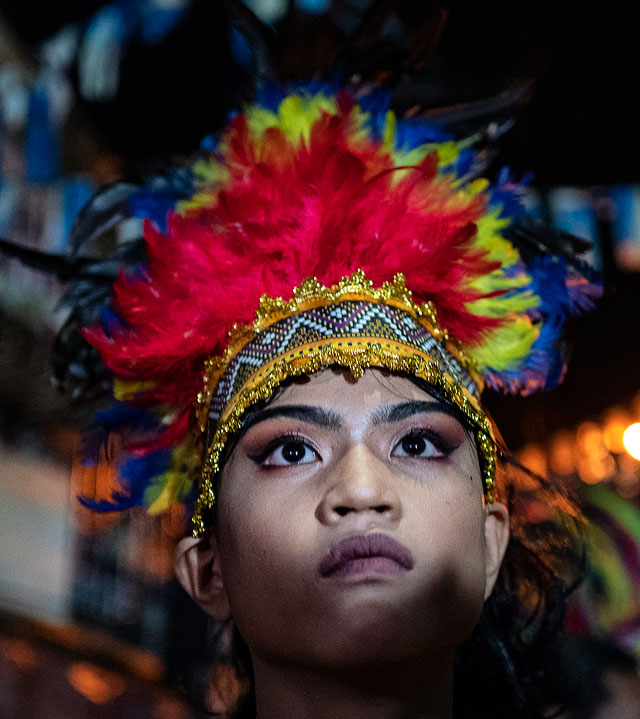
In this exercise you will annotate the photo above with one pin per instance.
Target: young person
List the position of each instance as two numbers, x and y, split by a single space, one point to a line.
299 354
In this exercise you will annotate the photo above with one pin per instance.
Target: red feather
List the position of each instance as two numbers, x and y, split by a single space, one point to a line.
324 209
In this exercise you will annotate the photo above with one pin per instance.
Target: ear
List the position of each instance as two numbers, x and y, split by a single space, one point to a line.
197 566
496 539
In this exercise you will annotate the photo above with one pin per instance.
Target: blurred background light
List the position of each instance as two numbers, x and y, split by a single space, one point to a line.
269 11
534 458
631 439
313 7
561 454
97 685
591 441
614 424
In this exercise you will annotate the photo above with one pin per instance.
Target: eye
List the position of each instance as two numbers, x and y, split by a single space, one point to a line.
286 451
422 444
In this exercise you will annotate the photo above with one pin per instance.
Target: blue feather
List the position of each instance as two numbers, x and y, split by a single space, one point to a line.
160 195
465 161
562 292
413 132
121 414
109 320
269 96
507 194
210 143
135 474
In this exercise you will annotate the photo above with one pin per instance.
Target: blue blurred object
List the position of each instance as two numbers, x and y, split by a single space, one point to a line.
572 211
240 49
625 225
42 145
313 7
269 11
9 194
156 21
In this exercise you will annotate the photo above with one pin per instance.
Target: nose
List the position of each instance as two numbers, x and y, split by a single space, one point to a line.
360 483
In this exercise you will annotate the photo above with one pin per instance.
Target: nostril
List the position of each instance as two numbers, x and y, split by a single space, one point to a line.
342 510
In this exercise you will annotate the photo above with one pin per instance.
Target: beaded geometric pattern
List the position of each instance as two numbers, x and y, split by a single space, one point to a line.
340 321
311 295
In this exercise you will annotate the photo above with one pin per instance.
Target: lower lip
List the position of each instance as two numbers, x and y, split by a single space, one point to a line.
368 565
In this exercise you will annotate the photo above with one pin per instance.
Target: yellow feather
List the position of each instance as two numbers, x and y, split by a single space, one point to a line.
504 304
447 153
389 132
477 186
126 391
210 174
505 346
174 484
295 117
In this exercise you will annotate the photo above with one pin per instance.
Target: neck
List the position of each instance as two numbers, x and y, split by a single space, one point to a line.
422 690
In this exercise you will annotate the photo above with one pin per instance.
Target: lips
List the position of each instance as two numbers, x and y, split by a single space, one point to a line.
366 553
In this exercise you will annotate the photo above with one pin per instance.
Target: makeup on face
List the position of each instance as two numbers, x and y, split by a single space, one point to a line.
348 504
374 553
283 436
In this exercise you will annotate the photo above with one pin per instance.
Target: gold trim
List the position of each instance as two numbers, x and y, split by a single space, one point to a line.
311 294
334 352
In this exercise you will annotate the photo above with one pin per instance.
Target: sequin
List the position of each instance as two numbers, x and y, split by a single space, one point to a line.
356 360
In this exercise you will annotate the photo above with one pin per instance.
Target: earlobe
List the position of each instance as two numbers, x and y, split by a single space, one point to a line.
197 566
496 539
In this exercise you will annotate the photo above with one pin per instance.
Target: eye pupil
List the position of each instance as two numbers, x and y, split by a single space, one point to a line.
293 452
414 445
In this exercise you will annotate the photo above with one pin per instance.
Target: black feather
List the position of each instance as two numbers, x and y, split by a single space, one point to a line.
105 210
533 237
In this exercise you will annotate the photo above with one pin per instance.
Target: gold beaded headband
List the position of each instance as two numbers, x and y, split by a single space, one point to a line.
351 325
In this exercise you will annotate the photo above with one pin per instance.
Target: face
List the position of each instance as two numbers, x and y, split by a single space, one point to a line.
351 524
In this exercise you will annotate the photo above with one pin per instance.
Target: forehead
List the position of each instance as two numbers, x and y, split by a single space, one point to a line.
337 388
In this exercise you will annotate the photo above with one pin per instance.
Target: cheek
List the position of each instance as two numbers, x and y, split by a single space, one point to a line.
247 539
466 549
262 551
451 531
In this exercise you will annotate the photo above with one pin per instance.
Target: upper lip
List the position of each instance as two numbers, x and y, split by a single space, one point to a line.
362 546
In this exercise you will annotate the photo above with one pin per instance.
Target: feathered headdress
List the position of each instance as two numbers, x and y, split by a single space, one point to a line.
320 229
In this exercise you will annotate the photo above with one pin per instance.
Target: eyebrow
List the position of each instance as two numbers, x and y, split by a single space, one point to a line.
325 418
328 419
397 412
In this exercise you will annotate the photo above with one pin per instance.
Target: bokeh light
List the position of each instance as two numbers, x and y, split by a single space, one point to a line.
534 458
94 683
614 425
591 441
631 439
562 455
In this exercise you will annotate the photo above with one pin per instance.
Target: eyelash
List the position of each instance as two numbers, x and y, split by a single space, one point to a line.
276 443
441 445
439 442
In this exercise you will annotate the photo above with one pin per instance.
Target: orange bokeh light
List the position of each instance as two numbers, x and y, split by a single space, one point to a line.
562 455
534 458
591 441
615 423
96 684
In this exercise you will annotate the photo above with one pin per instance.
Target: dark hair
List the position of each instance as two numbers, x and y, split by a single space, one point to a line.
510 650
501 670
580 665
